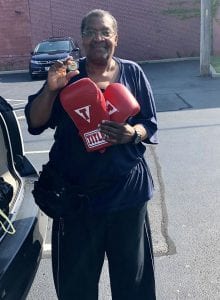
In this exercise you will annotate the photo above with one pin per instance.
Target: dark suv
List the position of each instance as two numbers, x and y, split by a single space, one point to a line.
50 50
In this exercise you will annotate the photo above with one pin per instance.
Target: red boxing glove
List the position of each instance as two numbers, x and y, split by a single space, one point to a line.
120 103
85 104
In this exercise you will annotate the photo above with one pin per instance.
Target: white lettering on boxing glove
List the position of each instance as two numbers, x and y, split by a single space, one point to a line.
111 109
120 102
84 112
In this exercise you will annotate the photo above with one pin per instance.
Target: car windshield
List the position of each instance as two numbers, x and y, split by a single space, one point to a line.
52 46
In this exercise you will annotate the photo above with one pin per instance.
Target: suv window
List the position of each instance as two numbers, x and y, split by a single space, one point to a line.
47 47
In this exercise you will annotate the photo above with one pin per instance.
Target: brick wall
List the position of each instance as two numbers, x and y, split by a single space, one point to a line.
41 20
15 34
148 29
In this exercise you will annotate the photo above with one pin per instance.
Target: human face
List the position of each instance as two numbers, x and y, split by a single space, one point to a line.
99 40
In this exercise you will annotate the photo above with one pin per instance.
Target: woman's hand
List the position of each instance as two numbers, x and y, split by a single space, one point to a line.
117 133
58 77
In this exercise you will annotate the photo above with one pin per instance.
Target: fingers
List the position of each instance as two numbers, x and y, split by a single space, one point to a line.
105 136
109 131
58 76
112 127
57 68
62 67
107 123
72 74
109 138
116 133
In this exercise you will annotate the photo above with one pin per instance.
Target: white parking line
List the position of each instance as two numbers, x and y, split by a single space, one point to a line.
47 247
46 251
15 100
21 118
37 151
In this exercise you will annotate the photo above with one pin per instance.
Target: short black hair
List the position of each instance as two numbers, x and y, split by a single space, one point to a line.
98 13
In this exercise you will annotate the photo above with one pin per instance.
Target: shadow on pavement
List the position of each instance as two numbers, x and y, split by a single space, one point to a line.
179 86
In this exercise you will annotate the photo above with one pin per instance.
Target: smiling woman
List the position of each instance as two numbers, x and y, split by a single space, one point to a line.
99 39
107 103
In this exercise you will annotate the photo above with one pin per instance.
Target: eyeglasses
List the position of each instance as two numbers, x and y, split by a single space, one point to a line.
105 33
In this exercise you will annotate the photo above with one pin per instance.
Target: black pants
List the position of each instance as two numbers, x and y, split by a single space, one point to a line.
78 250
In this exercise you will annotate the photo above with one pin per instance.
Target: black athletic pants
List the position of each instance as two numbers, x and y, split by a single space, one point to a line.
78 251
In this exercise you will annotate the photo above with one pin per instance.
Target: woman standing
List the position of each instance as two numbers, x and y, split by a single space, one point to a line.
113 220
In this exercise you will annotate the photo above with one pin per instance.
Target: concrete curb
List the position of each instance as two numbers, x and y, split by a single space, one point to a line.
13 72
213 73
165 60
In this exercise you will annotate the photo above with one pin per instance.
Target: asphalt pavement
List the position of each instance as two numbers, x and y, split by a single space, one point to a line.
188 165
185 210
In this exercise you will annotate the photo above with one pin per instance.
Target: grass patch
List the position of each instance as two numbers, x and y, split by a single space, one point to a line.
215 62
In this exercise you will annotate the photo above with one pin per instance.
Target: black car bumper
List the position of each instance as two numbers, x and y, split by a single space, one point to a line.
38 70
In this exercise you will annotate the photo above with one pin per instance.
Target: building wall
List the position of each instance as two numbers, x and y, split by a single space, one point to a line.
15 34
148 29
